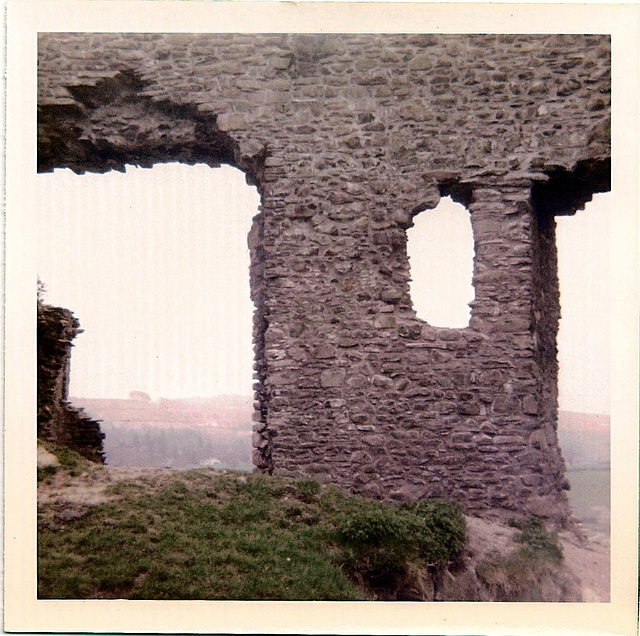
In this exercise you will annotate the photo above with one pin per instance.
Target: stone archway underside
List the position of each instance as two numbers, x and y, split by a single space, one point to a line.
347 137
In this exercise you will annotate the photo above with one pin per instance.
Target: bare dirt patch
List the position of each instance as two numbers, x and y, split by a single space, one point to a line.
590 562
586 562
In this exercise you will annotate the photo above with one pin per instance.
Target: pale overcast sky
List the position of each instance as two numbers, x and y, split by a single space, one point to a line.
155 265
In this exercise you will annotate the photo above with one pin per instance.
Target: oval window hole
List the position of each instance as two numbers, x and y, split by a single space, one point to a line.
441 254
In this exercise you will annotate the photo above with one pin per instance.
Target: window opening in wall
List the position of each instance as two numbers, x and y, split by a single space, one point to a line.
155 265
441 254
583 357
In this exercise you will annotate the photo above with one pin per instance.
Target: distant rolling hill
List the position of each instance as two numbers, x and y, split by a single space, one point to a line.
177 433
217 430
226 411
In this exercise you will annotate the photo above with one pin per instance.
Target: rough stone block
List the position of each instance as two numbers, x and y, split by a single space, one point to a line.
469 408
332 378
530 405
382 381
385 322
421 63
543 507
231 121
514 440
391 295
532 479
409 492
258 441
324 352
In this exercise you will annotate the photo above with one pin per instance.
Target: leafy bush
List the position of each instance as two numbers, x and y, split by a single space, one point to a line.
446 520
382 544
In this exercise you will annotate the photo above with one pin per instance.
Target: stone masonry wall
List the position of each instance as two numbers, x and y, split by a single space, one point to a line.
347 138
58 421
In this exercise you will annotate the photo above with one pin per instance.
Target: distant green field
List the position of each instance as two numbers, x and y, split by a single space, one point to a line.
590 496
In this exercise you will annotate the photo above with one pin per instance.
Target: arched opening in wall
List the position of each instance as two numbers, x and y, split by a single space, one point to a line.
441 253
155 265
584 339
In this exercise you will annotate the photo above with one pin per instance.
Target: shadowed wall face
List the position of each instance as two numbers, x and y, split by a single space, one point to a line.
347 137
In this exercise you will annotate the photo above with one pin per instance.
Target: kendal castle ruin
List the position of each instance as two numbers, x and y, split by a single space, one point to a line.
347 138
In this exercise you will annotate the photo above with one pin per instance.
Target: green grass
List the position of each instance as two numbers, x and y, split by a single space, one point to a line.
73 462
205 535
45 472
538 543
528 572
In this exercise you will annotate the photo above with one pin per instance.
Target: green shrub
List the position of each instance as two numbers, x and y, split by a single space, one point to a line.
538 542
382 544
445 520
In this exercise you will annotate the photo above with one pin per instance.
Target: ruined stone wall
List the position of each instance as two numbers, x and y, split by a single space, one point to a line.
347 138
58 421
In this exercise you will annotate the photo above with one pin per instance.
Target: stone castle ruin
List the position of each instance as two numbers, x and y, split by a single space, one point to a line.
58 420
347 138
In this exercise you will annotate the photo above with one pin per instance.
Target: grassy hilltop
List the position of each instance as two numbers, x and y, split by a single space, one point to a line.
205 534
108 532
